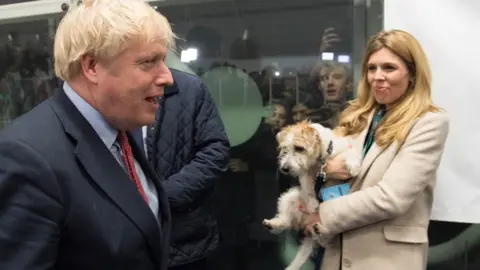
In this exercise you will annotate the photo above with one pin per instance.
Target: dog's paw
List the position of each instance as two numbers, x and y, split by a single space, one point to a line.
354 166
267 225
273 225
355 170
316 229
354 163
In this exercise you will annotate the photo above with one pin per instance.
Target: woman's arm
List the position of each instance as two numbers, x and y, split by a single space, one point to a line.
413 168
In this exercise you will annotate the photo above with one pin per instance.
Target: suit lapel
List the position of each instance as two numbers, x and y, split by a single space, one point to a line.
105 171
137 135
163 206
151 175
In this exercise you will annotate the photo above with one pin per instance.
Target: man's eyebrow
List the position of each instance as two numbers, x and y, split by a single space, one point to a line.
145 56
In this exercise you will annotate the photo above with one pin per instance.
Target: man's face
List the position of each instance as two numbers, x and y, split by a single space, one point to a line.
128 87
300 112
334 83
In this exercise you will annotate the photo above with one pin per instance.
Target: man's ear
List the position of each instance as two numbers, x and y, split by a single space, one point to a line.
89 67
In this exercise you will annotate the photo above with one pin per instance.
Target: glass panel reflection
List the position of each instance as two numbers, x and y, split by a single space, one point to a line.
26 73
267 64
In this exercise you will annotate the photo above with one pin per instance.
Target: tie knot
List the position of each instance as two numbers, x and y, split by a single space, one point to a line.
122 138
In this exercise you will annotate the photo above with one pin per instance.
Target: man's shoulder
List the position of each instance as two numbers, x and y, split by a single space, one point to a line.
186 82
35 127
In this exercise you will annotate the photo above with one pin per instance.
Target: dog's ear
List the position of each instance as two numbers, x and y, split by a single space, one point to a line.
280 135
318 145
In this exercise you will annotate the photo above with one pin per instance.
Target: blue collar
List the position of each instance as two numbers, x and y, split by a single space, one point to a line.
105 131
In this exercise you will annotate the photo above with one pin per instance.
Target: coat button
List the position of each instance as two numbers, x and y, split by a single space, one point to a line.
347 263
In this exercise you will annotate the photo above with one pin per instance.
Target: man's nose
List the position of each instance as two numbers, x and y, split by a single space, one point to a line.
165 77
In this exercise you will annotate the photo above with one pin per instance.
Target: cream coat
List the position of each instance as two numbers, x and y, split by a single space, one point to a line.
382 224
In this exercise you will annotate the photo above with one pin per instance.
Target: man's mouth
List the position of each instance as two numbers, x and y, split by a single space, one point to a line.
152 100
331 91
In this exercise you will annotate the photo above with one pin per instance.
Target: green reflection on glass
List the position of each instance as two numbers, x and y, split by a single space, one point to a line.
239 101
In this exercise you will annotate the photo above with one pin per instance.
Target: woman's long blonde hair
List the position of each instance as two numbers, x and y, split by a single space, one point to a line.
416 101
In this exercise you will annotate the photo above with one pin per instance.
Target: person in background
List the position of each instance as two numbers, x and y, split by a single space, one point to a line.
189 151
401 135
75 192
335 79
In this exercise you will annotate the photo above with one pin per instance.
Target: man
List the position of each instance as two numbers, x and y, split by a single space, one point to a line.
189 151
75 193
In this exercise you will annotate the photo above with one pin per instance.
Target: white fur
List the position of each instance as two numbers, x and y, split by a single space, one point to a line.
301 164
353 158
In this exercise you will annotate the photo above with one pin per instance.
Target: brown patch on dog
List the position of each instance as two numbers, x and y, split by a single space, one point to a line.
303 137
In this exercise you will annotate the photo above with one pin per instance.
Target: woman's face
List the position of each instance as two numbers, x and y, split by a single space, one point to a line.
387 76
278 119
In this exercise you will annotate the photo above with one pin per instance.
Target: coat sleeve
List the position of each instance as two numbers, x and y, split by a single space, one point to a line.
31 209
211 158
413 168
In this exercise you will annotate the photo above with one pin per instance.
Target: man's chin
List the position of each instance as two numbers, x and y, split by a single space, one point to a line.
147 120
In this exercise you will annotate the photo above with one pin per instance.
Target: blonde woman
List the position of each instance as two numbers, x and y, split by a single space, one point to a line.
382 223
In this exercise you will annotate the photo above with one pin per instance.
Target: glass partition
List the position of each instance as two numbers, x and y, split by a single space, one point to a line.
267 64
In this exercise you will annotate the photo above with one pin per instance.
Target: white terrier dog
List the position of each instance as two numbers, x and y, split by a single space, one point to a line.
304 148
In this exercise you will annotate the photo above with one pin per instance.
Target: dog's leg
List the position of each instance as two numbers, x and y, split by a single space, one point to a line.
286 207
276 225
312 204
303 253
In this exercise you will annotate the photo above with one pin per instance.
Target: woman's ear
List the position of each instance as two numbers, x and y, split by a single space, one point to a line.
411 83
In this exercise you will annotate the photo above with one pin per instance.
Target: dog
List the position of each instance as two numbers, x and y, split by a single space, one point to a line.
304 148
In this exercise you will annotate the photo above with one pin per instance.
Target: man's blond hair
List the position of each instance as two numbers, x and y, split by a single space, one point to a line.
104 29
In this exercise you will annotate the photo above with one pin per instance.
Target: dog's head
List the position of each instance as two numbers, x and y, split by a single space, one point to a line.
302 146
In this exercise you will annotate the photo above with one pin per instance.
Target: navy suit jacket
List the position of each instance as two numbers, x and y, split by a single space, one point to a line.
66 203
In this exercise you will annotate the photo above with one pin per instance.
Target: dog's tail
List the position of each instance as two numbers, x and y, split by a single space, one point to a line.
303 253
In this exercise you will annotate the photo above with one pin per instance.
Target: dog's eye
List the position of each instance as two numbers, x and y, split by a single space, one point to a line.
299 149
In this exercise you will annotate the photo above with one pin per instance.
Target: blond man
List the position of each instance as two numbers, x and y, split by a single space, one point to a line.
76 193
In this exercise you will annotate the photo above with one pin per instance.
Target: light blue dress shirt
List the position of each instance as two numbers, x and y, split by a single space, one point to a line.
109 136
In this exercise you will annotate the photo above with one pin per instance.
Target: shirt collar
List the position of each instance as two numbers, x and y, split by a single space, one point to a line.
105 131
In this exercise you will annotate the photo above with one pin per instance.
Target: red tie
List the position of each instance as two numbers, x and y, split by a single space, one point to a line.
129 163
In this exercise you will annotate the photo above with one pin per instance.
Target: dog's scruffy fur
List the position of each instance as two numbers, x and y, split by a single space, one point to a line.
303 148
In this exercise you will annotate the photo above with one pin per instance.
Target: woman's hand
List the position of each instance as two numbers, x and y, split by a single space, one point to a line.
336 169
309 223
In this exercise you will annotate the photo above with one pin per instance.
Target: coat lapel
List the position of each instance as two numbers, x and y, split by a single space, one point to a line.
105 171
374 151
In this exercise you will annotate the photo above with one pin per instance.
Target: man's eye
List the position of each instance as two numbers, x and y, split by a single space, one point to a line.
299 149
149 62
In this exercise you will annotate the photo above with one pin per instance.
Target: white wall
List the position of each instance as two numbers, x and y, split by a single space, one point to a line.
449 32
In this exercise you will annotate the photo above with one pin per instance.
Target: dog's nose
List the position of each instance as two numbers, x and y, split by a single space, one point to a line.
284 170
